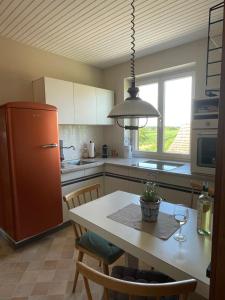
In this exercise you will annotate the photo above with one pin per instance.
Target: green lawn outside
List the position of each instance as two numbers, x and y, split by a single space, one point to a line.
148 138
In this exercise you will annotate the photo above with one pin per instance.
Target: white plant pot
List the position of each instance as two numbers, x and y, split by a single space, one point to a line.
150 210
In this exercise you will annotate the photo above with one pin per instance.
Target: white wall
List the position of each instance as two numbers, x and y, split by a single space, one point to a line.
79 135
20 65
113 77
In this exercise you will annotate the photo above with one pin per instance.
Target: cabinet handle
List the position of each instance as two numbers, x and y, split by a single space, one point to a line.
49 146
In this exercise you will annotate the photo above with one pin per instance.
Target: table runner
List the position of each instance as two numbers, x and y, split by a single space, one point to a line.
131 216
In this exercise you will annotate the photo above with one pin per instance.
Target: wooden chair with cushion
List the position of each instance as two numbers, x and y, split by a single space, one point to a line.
87 242
130 290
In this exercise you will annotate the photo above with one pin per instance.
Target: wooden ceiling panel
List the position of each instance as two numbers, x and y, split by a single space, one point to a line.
97 32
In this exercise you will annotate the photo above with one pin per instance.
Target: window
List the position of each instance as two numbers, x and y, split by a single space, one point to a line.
168 136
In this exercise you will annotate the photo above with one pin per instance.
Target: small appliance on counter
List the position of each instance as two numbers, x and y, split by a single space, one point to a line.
105 149
85 152
91 150
127 152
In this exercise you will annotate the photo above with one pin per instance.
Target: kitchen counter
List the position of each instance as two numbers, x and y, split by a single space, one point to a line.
184 169
129 175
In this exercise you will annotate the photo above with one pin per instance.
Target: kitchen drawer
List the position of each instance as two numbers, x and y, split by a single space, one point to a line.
72 175
92 171
143 174
116 170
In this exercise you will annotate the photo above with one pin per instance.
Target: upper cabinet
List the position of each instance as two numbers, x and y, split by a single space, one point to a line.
105 102
85 104
76 103
58 93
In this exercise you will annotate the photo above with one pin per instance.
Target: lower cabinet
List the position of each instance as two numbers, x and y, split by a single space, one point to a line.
110 184
175 196
115 184
74 186
171 195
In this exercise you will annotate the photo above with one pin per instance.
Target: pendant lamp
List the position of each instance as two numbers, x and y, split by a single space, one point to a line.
133 107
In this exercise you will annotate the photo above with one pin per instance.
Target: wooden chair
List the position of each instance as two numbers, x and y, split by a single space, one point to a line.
87 242
198 186
156 290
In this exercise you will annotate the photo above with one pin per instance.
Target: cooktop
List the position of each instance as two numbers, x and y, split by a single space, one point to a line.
158 165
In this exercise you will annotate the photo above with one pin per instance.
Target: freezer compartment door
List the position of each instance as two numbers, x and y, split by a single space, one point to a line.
34 152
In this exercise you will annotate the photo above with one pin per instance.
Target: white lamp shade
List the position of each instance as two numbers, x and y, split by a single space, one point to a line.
134 109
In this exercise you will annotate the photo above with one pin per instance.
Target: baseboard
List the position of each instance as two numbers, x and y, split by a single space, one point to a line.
18 244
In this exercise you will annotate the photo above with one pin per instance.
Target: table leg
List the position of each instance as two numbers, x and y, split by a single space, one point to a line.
131 261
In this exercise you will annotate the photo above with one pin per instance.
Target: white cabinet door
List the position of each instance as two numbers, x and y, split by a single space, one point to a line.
115 184
85 104
175 196
60 94
105 102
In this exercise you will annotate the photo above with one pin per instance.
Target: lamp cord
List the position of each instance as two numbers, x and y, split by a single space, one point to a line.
132 60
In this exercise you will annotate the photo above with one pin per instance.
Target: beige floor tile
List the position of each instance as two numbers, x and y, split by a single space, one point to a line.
7 290
62 275
55 297
35 265
50 264
40 289
23 289
38 297
57 288
10 278
65 264
29 277
67 253
53 255
7 267
19 298
46 275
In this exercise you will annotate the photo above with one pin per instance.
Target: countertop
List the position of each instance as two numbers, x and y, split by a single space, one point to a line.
131 163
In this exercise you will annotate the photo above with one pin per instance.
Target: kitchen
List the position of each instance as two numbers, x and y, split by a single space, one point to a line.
22 67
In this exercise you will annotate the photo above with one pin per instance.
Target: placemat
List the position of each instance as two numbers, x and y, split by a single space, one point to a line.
130 215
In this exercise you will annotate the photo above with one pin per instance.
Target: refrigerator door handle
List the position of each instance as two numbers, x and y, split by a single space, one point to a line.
49 146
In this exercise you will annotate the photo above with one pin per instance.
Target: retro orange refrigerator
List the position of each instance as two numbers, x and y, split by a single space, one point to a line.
30 188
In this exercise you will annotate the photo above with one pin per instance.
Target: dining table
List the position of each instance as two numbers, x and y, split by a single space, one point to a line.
179 260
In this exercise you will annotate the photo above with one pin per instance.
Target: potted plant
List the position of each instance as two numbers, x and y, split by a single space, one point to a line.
150 202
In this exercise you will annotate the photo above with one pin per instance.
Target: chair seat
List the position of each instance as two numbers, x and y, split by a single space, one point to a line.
99 246
141 276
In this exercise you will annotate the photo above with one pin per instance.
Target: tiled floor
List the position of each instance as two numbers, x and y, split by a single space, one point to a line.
42 270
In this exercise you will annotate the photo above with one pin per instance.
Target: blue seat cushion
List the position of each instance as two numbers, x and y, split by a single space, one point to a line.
141 276
99 246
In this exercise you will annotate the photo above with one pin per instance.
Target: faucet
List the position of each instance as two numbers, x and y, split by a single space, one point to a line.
64 147
68 147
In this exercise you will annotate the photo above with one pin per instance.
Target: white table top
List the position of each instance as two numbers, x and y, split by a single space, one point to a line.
179 260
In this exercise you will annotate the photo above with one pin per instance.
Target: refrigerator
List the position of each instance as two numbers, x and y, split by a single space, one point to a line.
30 184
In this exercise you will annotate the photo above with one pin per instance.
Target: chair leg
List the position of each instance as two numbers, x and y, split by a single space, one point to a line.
105 269
106 272
80 258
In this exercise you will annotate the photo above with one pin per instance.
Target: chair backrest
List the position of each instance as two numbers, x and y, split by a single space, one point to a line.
79 197
198 186
179 288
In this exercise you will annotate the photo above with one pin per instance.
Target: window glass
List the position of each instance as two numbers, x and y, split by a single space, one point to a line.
147 136
177 115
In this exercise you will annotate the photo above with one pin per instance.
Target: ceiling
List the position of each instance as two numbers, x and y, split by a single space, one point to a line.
97 32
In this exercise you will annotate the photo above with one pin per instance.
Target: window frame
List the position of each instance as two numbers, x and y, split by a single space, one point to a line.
160 79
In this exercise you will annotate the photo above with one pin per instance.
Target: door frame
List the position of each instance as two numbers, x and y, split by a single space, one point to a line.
217 282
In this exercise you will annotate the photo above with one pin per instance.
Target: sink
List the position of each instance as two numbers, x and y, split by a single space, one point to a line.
75 162
159 165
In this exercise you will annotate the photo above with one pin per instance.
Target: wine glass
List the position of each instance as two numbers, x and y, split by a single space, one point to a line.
181 215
